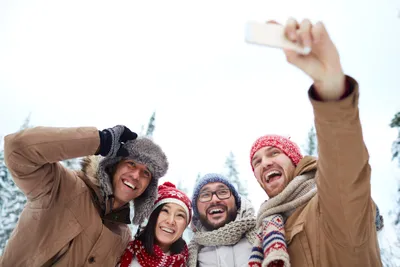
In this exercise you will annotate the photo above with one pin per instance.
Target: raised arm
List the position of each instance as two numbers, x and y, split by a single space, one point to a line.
343 176
32 155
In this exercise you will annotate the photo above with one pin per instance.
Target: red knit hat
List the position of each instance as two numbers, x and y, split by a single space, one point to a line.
285 144
168 193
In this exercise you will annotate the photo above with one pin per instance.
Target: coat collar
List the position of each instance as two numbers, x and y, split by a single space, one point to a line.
101 189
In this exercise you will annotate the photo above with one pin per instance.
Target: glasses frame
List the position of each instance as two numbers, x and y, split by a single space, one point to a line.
216 193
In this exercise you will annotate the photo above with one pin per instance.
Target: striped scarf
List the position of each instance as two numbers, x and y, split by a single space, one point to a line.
270 248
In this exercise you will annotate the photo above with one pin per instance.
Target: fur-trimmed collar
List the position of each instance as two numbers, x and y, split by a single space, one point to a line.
90 167
102 191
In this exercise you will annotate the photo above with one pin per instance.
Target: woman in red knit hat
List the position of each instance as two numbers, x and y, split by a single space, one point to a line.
160 243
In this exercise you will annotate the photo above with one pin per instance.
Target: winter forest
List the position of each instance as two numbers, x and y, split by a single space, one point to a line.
182 73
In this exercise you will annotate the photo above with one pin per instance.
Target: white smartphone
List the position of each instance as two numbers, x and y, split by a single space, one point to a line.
272 35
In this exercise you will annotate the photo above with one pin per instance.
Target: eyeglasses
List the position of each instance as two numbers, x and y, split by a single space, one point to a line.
221 195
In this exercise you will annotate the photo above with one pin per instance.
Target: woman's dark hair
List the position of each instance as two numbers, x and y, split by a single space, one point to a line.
147 236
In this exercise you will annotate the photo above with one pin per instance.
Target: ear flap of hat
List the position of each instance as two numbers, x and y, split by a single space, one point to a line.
144 203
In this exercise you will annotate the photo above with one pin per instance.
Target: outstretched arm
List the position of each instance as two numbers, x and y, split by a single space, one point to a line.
343 176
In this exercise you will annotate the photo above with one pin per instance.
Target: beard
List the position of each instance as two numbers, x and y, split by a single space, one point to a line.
231 216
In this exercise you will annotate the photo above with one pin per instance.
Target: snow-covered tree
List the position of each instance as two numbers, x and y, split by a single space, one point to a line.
396 155
233 175
390 249
181 186
198 177
311 144
396 143
73 164
12 201
388 257
27 123
151 126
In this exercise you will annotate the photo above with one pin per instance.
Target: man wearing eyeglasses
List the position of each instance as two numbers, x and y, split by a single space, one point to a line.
223 224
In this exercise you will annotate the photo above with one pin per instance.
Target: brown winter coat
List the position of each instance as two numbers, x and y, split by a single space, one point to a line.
337 227
62 223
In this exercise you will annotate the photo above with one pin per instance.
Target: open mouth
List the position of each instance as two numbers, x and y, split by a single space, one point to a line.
128 184
216 211
167 230
272 176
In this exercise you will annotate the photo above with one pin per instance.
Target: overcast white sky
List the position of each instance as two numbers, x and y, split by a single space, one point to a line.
97 63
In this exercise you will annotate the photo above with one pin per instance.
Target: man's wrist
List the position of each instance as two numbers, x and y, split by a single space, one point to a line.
330 90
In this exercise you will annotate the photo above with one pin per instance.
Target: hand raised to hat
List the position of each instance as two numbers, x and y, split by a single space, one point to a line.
322 64
112 140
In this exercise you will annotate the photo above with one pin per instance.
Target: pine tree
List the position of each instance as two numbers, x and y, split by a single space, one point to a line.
312 144
198 178
233 175
396 143
73 164
12 201
390 254
395 123
388 257
181 186
151 126
27 123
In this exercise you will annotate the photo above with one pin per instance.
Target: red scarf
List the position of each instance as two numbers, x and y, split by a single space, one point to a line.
160 259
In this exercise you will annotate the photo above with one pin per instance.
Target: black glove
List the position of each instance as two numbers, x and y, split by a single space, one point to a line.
112 139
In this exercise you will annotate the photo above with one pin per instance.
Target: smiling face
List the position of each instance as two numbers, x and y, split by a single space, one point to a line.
171 222
272 168
216 212
130 180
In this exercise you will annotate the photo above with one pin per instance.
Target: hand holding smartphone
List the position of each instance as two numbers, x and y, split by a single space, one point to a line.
272 35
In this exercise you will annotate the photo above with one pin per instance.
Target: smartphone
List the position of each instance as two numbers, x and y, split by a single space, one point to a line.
272 35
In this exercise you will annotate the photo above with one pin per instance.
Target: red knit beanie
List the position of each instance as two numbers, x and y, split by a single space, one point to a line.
168 193
285 144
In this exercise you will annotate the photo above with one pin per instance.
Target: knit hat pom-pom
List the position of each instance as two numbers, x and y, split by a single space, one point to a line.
166 185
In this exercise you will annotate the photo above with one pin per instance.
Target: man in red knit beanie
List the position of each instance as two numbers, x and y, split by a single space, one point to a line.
319 212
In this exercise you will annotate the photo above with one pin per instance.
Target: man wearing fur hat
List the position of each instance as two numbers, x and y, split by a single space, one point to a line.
79 218
319 212
223 224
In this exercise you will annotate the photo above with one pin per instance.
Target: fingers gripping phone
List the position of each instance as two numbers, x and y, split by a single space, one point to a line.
272 35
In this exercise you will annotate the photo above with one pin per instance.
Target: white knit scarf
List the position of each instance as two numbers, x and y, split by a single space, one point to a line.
227 235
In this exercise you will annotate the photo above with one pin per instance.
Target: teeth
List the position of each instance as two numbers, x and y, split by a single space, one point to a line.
167 230
270 174
129 184
215 211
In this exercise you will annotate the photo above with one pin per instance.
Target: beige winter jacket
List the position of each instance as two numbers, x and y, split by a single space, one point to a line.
337 227
61 223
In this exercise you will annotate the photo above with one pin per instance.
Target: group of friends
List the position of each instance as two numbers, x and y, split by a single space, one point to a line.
317 211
